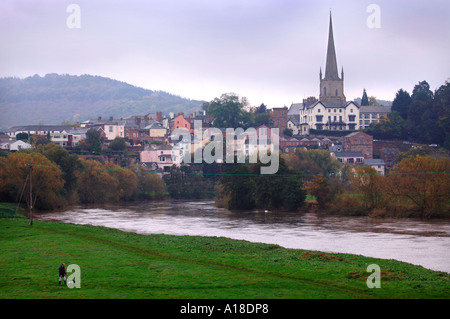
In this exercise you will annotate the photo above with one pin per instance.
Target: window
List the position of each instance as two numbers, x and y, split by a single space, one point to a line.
351 110
111 129
361 141
336 92
319 118
324 91
318 110
351 118
340 110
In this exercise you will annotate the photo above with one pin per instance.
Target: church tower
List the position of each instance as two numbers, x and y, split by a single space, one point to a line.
331 86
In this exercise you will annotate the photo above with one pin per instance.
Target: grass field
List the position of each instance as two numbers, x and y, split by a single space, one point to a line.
123 265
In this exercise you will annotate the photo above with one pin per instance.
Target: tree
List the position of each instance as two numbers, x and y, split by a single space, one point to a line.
126 180
94 141
68 163
312 162
402 103
96 185
149 184
239 188
227 111
261 109
369 183
422 181
391 126
287 132
422 92
244 188
441 109
322 188
22 136
294 193
373 101
47 180
118 144
364 99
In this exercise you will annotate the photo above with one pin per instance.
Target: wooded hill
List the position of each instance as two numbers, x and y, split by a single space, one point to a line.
55 98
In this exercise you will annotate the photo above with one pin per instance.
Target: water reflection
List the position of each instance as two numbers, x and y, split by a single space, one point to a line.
420 242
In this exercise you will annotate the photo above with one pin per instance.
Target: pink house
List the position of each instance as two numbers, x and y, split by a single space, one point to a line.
163 156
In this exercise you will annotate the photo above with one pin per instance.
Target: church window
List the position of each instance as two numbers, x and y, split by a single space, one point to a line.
325 91
336 92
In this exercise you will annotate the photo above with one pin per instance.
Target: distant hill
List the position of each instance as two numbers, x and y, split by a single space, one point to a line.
55 98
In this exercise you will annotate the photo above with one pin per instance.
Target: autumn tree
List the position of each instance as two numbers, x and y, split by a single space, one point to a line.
47 180
95 184
323 189
68 163
424 182
369 183
312 162
126 180
149 184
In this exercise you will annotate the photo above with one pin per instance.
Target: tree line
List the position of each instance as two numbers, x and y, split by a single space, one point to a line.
422 116
418 186
61 179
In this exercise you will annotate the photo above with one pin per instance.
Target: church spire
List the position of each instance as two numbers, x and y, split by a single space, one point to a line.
331 70
331 86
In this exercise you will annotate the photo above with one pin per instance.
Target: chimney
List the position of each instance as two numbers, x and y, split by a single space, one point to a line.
111 118
99 118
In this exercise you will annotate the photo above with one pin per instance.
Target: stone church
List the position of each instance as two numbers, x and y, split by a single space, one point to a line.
331 111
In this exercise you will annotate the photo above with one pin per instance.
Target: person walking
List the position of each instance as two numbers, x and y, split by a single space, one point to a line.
62 273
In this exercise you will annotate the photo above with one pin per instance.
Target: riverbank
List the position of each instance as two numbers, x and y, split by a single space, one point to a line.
116 264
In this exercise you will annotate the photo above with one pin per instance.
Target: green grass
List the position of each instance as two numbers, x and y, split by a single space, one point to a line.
117 264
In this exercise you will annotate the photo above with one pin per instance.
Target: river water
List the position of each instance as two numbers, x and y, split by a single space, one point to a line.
416 241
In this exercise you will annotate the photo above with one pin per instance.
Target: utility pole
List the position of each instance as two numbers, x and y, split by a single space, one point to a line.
31 192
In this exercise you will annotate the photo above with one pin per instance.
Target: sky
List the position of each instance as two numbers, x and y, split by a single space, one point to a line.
269 51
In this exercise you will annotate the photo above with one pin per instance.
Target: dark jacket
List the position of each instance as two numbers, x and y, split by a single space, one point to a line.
62 270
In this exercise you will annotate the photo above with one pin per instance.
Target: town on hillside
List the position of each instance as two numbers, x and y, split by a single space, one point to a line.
329 122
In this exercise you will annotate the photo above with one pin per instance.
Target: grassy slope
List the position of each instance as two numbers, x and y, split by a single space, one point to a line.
117 264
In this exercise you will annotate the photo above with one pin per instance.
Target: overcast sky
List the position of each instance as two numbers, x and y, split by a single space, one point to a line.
269 51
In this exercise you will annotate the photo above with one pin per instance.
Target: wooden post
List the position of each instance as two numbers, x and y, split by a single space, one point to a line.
31 195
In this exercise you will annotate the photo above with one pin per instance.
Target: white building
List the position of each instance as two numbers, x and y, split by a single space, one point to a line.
112 128
372 114
378 164
13 146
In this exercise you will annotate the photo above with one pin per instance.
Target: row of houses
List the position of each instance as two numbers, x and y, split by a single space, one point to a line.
302 117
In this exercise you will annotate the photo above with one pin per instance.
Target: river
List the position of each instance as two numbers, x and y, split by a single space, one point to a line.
416 241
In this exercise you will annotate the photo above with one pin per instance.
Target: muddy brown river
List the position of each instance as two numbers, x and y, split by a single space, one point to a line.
416 241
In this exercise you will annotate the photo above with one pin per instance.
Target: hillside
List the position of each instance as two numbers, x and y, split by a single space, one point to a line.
55 98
